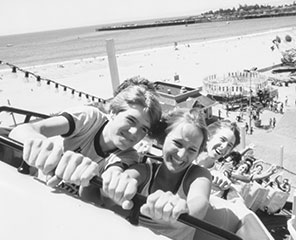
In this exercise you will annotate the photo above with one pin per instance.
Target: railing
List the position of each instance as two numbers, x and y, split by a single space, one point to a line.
19 163
28 114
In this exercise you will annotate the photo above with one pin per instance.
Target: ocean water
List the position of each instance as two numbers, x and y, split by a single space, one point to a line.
84 42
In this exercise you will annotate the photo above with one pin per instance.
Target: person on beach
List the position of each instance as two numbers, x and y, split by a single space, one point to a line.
89 137
273 122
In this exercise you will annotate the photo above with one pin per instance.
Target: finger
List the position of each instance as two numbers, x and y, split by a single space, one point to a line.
112 185
91 171
220 182
131 190
53 159
180 208
127 205
53 181
160 204
106 177
224 186
167 211
72 165
27 148
76 176
145 210
46 148
33 151
120 189
214 180
151 200
126 189
62 165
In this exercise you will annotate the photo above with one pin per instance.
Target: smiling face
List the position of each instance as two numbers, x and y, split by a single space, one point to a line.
127 128
221 143
181 146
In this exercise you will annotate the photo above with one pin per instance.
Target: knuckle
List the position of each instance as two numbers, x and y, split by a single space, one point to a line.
37 142
134 181
67 157
75 179
78 158
49 165
47 145
39 166
67 154
158 191
124 175
59 175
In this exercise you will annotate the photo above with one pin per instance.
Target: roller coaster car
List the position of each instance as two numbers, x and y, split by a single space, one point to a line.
245 222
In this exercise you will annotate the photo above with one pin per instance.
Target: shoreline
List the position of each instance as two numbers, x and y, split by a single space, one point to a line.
125 53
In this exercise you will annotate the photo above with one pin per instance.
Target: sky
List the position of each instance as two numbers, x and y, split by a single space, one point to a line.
22 16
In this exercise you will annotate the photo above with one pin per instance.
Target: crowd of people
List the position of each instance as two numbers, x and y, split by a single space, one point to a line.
197 160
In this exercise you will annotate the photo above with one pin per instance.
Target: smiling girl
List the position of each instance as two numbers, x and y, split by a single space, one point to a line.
224 136
174 185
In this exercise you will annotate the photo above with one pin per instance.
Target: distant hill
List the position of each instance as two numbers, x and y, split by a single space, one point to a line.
242 12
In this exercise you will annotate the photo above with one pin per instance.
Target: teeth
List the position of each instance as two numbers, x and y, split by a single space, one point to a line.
177 161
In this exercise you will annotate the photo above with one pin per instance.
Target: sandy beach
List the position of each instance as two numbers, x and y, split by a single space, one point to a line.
191 61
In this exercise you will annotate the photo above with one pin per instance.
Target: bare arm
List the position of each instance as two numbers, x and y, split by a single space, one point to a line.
266 174
246 149
243 178
199 191
53 126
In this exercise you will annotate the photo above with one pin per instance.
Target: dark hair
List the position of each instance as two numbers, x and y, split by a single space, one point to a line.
235 158
137 95
138 81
